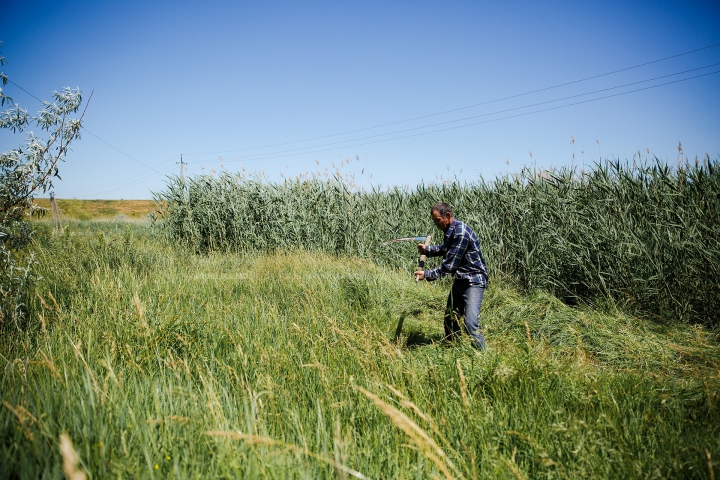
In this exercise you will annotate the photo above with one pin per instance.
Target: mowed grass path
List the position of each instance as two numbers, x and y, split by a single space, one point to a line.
162 364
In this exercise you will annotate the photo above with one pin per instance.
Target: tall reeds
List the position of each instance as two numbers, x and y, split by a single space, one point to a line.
643 234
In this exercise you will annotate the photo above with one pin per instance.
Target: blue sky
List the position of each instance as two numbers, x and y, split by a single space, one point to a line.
242 79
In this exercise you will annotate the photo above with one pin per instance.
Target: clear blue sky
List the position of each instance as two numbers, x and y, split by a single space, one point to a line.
195 77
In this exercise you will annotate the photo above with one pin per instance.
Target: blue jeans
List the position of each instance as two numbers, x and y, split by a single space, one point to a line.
464 301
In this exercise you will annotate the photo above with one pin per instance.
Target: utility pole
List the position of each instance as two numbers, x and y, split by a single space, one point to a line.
182 167
57 214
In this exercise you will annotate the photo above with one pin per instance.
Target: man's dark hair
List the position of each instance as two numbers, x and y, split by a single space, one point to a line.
442 209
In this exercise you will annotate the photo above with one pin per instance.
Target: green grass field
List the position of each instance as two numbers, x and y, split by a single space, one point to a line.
160 363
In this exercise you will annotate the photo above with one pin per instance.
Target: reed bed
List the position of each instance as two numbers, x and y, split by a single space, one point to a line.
645 236
142 360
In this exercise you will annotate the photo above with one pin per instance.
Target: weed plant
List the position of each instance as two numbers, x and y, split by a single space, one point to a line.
643 235
147 361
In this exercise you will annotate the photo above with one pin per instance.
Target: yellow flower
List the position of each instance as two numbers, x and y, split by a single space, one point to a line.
167 457
157 467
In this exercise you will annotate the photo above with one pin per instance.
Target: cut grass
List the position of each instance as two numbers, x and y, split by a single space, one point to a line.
158 363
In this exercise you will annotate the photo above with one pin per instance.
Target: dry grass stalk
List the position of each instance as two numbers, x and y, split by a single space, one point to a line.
139 306
21 413
50 365
513 468
405 402
24 417
42 301
463 387
124 445
141 311
257 440
71 459
57 307
527 333
429 448
711 470
523 437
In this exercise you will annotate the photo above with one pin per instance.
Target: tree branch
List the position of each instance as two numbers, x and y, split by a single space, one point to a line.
53 163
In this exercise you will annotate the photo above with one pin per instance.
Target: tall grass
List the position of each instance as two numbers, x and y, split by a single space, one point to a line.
645 235
146 361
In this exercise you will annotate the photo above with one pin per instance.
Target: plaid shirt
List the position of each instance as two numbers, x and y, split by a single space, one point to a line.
462 257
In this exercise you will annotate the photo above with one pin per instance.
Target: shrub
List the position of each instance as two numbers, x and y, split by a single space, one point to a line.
23 172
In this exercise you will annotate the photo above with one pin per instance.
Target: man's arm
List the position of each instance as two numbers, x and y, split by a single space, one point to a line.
435 250
432 250
455 252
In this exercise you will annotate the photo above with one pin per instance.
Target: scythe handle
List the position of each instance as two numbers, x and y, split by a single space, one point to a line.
423 257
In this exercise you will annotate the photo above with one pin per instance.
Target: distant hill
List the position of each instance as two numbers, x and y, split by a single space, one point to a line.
101 209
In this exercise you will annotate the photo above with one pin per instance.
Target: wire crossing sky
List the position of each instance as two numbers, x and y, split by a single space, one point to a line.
394 93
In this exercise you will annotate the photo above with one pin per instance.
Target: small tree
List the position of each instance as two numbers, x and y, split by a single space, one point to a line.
25 171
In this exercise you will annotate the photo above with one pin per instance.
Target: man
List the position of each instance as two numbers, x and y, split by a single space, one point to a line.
463 260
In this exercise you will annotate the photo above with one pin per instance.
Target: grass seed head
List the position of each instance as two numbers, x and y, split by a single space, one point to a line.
71 460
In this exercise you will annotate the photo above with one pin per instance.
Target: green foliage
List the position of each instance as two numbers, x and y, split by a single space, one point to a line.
162 364
644 235
24 171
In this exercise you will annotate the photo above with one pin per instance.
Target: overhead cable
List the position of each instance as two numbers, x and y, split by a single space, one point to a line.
88 131
468 106
129 181
261 156
494 119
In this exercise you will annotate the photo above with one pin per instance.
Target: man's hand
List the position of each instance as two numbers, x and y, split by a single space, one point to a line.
419 275
421 249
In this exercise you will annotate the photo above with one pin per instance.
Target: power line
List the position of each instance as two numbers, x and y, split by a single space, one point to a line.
468 106
494 113
134 180
495 119
105 190
261 156
91 193
88 131
270 154
112 146
130 181
21 88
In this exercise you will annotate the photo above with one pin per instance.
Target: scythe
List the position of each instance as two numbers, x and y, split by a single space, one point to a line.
421 260
421 264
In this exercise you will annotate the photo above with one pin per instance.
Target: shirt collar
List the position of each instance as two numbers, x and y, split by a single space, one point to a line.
452 227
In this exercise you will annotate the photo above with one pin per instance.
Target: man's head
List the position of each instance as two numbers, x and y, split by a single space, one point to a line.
442 215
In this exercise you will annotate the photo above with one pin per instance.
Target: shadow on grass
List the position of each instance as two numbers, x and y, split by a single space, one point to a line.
419 338
416 338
